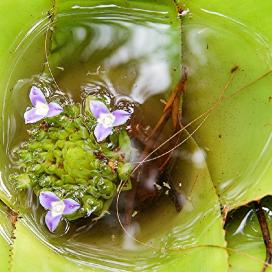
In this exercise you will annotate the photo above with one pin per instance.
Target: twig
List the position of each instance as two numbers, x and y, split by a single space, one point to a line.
171 109
176 119
265 232
169 106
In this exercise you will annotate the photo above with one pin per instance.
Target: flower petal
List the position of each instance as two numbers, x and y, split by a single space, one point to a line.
98 107
36 95
31 116
52 222
71 206
54 109
101 133
121 117
46 199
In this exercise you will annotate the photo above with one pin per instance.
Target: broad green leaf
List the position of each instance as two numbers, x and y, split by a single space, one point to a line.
4 253
244 238
14 28
231 153
18 20
237 134
6 230
29 254
192 240
200 218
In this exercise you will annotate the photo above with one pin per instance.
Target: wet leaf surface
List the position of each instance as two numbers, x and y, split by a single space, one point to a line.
237 133
194 234
6 230
28 64
236 138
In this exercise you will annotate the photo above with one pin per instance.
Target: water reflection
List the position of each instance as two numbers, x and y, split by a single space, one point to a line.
139 60
129 56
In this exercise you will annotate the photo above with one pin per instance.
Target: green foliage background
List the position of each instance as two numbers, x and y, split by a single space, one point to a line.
244 123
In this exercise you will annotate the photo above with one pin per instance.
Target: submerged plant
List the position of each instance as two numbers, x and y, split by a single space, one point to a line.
72 174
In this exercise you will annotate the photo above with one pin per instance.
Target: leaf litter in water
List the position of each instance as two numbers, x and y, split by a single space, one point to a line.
200 251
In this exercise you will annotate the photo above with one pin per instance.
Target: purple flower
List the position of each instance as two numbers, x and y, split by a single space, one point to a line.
41 109
56 208
106 120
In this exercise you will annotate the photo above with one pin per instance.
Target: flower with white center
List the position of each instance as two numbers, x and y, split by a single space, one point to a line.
56 208
41 109
106 120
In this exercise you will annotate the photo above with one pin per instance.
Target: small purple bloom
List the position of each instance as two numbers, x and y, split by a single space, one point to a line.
41 109
106 120
56 208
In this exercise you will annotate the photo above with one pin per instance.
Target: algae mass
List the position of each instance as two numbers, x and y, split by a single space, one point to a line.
62 156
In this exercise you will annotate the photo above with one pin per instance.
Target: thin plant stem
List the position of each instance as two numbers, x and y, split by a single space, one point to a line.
265 232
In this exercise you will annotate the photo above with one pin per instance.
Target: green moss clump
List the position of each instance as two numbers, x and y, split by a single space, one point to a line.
63 157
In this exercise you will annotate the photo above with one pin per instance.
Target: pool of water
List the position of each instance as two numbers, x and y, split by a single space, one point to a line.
134 55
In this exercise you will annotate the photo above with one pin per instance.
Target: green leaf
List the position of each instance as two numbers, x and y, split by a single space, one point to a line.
200 218
125 144
237 134
6 230
30 254
17 18
225 134
124 170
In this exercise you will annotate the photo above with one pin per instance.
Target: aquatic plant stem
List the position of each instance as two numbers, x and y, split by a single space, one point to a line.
265 232
172 104
170 160
171 109
204 115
